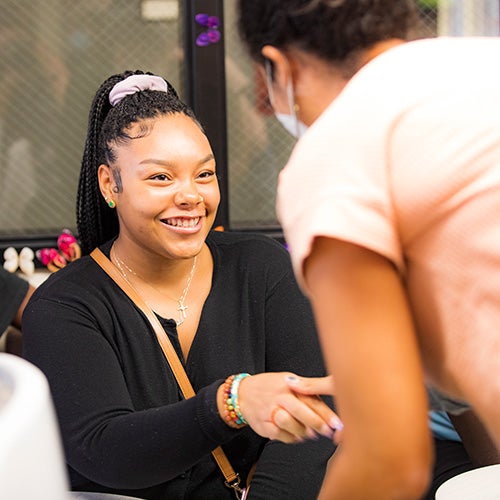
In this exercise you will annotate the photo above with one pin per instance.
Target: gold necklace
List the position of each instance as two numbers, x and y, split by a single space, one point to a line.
182 306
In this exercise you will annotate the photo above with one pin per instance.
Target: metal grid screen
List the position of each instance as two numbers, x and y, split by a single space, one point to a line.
53 56
258 146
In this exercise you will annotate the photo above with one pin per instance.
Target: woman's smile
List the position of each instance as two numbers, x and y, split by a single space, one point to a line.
185 225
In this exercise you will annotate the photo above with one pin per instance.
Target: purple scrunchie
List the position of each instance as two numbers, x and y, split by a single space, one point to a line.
136 83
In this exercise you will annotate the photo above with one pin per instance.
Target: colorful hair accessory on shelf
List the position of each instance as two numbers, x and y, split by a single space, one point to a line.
51 259
212 34
68 250
68 245
22 261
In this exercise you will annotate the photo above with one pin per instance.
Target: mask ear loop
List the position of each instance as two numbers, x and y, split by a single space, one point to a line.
293 106
289 92
291 101
269 76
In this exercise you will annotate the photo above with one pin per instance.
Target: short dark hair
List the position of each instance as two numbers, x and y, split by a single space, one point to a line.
332 30
108 126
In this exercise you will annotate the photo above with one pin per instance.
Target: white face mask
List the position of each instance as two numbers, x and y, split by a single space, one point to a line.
290 122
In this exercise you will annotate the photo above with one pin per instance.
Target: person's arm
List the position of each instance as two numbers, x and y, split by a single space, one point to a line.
475 438
106 439
14 337
17 320
14 295
370 346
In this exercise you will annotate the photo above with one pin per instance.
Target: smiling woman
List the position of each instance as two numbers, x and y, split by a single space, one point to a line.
170 200
228 303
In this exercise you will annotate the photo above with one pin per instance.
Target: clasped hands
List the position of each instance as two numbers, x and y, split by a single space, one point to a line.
287 408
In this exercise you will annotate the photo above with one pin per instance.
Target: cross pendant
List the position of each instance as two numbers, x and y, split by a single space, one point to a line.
182 308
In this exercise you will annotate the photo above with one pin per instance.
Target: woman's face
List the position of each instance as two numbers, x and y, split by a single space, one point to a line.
170 192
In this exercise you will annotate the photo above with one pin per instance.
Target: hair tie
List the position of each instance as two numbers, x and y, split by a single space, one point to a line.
136 83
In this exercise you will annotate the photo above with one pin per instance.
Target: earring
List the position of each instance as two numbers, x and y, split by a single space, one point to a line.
111 203
201 199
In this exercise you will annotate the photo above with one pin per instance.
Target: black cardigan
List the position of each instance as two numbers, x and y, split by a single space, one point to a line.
124 426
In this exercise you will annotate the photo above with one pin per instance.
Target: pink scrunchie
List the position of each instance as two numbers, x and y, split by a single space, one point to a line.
136 83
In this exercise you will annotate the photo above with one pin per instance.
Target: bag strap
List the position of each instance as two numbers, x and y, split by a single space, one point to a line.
232 478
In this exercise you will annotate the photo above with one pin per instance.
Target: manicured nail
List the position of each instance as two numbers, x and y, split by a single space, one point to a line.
327 431
311 434
336 424
292 379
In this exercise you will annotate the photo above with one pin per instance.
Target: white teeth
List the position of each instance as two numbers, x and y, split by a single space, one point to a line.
183 222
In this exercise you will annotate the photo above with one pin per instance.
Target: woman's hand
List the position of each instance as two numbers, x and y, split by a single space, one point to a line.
311 386
285 407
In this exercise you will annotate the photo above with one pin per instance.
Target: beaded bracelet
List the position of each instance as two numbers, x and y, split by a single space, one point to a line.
232 414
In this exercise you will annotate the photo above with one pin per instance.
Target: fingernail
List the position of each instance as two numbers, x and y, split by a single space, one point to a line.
327 431
336 424
292 379
311 434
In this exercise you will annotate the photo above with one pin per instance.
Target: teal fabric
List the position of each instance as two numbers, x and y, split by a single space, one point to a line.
441 426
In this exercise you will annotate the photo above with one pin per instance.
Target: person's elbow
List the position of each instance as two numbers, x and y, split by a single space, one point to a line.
411 480
383 473
408 472
399 466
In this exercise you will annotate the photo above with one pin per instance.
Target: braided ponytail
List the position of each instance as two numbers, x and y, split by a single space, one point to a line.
95 222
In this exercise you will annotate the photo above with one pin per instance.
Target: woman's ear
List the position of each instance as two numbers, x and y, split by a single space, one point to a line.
281 69
106 181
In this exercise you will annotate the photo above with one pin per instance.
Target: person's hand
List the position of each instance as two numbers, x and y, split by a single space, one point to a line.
310 386
274 408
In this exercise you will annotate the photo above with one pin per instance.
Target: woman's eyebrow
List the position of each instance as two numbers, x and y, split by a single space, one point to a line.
208 158
166 163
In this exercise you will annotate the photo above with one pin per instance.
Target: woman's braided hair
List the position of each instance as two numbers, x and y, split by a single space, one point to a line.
108 126
333 30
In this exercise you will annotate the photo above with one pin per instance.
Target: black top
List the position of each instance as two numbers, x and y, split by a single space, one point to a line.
13 289
124 426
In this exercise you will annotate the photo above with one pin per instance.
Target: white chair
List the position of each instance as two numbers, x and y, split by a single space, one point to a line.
31 456
476 484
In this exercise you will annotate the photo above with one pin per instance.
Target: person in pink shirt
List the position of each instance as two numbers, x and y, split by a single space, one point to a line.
389 205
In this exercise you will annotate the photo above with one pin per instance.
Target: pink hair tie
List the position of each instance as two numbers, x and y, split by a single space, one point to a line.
136 83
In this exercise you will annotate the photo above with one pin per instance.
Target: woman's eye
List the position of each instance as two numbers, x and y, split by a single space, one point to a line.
206 174
160 177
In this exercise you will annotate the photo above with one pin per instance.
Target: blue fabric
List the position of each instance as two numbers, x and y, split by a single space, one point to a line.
442 427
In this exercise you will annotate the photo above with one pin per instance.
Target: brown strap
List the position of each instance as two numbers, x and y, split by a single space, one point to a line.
232 478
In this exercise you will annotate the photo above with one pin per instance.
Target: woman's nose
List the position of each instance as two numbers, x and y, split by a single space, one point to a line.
188 197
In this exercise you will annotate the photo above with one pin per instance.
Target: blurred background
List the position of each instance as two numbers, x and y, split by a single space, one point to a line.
55 53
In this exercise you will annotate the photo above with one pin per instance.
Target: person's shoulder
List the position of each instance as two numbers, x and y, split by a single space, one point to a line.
10 282
255 255
250 244
81 274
